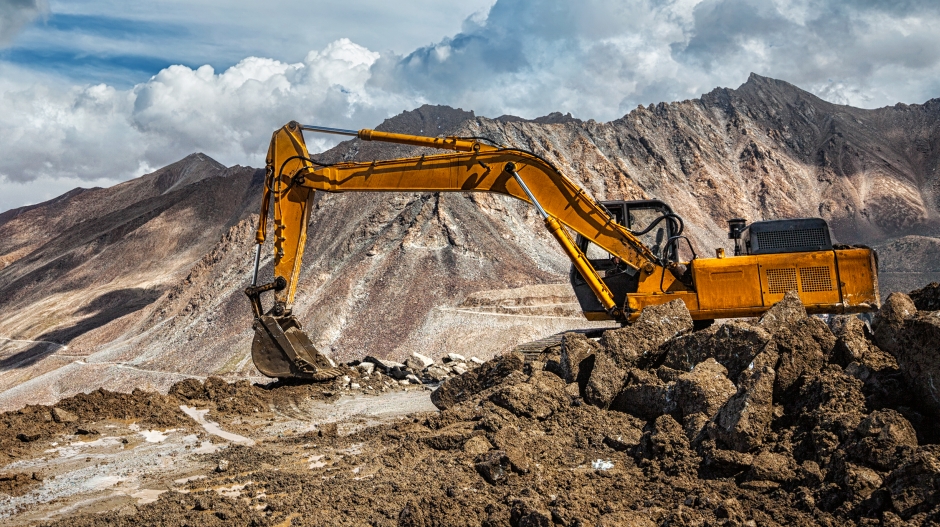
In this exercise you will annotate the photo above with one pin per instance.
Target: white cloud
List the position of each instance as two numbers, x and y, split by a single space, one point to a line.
594 58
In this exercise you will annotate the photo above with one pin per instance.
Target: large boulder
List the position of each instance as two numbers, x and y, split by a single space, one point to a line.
734 345
744 420
703 390
803 347
655 325
605 382
829 407
538 398
783 314
645 395
888 323
463 387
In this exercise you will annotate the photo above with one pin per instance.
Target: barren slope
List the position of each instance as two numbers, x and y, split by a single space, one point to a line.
395 273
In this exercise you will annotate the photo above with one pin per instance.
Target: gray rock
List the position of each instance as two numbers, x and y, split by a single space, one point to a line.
745 418
655 325
784 313
418 362
605 382
645 395
734 345
703 390
888 323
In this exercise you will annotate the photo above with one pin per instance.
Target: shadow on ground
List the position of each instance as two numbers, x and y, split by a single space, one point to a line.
102 310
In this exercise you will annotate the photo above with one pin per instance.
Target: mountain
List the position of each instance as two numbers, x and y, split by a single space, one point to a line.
141 283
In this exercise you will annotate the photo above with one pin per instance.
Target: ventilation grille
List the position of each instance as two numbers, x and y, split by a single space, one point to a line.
781 280
791 239
815 279
812 280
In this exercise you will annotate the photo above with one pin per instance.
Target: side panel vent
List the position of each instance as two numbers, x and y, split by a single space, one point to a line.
792 239
815 279
780 281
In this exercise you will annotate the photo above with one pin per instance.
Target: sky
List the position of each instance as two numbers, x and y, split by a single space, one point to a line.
94 92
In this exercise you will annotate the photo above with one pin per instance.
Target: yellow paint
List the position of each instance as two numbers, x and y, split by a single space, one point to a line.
841 281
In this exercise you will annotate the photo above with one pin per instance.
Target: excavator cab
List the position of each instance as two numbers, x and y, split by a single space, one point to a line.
650 220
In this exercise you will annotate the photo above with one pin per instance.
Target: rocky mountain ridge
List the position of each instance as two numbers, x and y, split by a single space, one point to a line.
141 283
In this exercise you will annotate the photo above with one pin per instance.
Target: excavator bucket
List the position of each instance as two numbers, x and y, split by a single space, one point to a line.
281 349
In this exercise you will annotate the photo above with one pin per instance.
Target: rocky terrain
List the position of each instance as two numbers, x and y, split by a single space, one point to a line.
141 284
783 420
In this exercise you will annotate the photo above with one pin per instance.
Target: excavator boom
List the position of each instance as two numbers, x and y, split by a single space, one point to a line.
281 349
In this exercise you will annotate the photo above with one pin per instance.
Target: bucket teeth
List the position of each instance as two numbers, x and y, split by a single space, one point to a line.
281 349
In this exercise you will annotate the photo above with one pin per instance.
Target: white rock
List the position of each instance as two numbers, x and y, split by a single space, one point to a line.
404 382
413 379
423 359
346 380
459 368
454 357
354 386
477 361
367 368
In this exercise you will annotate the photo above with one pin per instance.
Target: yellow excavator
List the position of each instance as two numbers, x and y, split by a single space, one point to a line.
625 255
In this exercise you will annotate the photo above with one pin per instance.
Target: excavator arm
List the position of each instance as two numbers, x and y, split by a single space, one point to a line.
292 178
777 256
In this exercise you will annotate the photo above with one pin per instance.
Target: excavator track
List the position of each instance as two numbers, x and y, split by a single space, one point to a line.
533 349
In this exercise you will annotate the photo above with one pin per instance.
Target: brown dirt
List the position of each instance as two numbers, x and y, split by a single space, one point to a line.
726 443
927 298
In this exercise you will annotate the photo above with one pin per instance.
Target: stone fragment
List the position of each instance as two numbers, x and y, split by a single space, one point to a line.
418 362
436 373
458 389
459 368
577 358
861 481
63 416
745 418
366 368
703 390
413 379
384 366
645 396
655 325
476 360
734 345
854 344
888 324
803 347
784 313
455 357
605 382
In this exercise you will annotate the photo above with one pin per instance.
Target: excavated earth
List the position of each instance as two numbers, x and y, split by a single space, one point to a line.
785 420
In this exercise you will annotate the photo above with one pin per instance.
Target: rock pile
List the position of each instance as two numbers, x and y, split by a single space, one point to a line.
827 416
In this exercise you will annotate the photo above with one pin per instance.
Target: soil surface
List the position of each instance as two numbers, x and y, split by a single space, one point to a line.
785 420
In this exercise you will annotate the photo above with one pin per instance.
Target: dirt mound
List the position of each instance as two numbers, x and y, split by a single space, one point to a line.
785 420
28 430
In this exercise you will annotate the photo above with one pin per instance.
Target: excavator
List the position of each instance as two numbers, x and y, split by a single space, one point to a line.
625 255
